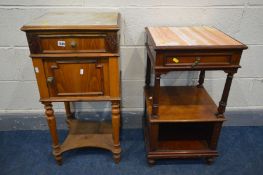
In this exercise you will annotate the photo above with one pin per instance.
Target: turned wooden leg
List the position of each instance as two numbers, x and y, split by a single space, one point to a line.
148 72
155 105
223 102
116 130
69 114
49 112
201 79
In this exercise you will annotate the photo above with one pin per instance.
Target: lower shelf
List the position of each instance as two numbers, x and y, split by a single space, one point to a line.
88 134
186 125
181 140
183 145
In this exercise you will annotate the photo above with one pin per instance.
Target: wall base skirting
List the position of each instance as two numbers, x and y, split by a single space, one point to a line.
130 119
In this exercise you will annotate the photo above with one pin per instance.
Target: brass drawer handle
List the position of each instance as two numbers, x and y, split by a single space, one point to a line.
197 61
175 60
50 80
73 44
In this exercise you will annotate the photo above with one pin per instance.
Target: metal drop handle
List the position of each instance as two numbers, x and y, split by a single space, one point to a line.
50 80
197 61
73 44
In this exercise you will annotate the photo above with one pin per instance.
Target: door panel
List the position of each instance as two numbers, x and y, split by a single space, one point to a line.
76 77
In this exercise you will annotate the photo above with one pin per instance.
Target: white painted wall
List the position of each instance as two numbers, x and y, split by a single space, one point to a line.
242 19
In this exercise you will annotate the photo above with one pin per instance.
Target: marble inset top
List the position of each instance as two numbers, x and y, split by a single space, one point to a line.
200 36
76 19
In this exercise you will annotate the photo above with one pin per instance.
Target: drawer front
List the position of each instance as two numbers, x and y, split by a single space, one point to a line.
77 77
97 42
198 61
72 43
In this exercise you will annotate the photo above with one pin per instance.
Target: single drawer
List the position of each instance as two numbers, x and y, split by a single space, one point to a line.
197 61
72 43
90 42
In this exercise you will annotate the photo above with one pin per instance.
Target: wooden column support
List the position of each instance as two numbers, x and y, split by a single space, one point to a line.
49 112
148 72
156 95
116 130
223 102
69 114
201 79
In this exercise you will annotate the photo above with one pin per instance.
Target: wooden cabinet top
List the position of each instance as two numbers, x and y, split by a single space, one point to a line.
199 37
75 21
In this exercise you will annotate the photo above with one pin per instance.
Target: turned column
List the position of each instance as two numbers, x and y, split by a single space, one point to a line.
223 102
148 72
201 79
116 130
49 112
68 112
156 89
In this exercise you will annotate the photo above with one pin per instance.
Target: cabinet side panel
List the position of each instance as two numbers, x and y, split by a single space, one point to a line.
236 57
41 77
33 42
114 76
105 63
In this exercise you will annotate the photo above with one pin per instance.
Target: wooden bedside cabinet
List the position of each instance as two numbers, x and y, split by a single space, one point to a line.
76 58
183 121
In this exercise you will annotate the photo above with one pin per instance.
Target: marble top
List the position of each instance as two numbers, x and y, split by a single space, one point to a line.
75 19
191 36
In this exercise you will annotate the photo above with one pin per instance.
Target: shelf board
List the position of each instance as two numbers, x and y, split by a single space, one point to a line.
178 148
183 145
182 104
88 134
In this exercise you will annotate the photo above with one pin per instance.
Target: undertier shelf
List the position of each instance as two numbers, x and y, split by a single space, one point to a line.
181 140
182 104
184 136
88 134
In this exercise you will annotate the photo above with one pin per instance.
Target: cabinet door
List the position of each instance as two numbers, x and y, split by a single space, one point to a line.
77 77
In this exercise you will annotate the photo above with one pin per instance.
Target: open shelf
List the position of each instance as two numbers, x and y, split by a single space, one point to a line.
182 104
88 134
182 145
181 140
185 136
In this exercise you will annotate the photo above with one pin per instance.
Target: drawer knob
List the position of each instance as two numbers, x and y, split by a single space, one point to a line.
50 80
175 60
73 44
197 61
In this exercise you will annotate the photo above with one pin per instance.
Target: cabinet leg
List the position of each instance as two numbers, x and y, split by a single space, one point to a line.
156 89
201 79
223 101
148 72
49 112
69 114
116 130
